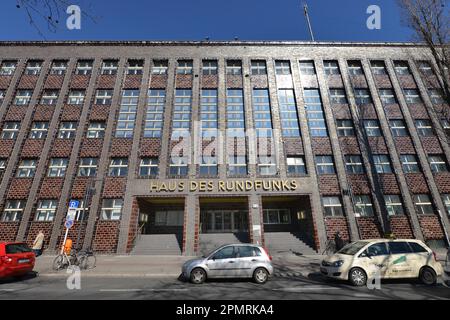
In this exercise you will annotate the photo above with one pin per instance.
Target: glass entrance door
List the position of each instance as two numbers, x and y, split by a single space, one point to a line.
224 221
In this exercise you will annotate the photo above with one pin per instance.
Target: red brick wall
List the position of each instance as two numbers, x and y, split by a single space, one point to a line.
132 81
99 113
321 146
404 145
91 147
134 217
259 81
431 145
28 82
389 183
71 113
234 81
6 147
54 81
62 148
79 81
369 227
407 81
114 187
329 184
368 111
335 81
418 111
121 147
106 81
401 227
335 224
359 81
51 188
210 81
383 81
19 188
349 145
79 187
106 236
32 148
150 147
393 111
43 113
183 81
442 180
359 183
377 145
431 227
35 227
341 111
73 234
8 231
293 147
158 81
416 183
16 113
5 81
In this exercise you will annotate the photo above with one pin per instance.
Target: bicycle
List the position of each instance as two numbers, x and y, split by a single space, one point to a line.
330 247
64 261
83 259
87 260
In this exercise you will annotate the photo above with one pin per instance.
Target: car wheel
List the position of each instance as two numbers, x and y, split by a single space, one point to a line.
198 276
260 275
357 277
427 276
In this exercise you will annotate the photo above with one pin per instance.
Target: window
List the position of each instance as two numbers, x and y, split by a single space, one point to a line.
331 67
394 205
424 128
399 247
184 67
10 130
378 67
438 163
345 128
58 68
363 206
33 68
267 165
425 68
169 218
235 113
382 163
307 68
49 97
314 113
109 67
178 166
296 165
127 114
423 204
135 67
96 130
225 253
445 124
209 67
160 67
355 68
276 216
436 96
23 97
76 97
372 128
154 115
2 96
209 113
332 207
46 210
338 96
417 248
112 209
84 67
325 165
27 168
288 113
261 113
58 167
354 164
39 130
446 200
401 68
67 130
409 163
118 167
13 210
398 128
237 165
412 96
362 96
387 96
258 67
149 167
282 67
208 166
88 167
7 68
2 165
181 117
377 249
234 67
103 97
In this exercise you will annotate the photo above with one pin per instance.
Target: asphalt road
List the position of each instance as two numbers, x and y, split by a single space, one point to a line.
313 287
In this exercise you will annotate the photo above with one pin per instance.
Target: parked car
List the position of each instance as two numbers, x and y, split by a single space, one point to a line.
360 260
230 261
16 259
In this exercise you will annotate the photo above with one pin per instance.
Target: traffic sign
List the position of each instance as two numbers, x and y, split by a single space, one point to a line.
74 204
68 224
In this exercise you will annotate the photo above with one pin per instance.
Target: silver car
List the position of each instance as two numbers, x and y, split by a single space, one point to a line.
230 261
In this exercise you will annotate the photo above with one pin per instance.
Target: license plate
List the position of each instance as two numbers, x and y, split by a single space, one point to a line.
23 260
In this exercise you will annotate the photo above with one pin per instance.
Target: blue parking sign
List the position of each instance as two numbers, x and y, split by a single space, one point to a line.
68 224
74 204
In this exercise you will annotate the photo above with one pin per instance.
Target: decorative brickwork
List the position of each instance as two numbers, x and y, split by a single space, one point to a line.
62 148
6 147
321 146
234 81
341 111
4 82
335 81
106 81
416 183
132 233
132 81
8 231
335 224
431 145
91 147
121 147
359 183
99 113
16 113
43 113
293 147
79 81
71 113
349 145
418 111
329 184
404 145
383 81
369 227
54 81
389 183
183 81
259 81
442 180
114 187
368 112
393 111
51 188
28 82
407 81
150 147
19 188
377 145
79 187
106 236
359 81
32 148
158 81
401 227
72 234
210 81
431 227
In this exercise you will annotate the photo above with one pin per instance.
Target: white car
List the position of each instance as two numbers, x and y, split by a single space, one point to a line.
389 259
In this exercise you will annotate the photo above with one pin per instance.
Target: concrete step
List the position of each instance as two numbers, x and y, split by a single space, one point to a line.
286 241
211 241
157 244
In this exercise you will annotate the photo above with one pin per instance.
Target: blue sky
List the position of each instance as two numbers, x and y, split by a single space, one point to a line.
333 20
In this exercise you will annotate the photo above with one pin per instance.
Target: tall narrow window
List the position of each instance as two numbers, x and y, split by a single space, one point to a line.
209 113
307 68
46 210
39 130
363 206
58 68
109 67
234 67
160 67
33 68
288 113
258 67
378 67
7 68
401 68
261 113
331 67
355 68
184 67
84 67
314 113
394 205
127 114
209 67
235 113
181 118
23 97
282 68
154 116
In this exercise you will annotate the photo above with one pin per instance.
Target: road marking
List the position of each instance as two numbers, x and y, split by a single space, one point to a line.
299 289
7 290
137 290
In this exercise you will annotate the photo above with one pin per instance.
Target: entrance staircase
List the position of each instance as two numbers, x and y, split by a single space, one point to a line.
157 244
281 242
210 241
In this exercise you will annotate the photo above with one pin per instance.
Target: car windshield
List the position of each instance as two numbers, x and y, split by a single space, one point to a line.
17 248
352 248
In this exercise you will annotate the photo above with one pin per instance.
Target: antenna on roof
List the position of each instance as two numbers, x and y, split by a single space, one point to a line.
305 9
236 38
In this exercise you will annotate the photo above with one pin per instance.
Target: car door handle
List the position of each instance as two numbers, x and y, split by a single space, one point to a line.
230 261
254 260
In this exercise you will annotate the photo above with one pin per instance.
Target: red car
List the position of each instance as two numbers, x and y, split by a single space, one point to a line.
16 259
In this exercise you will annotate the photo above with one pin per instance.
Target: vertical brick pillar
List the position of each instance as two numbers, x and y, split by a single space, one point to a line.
190 228
255 221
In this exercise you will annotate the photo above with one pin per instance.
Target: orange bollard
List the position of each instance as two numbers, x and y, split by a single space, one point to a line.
68 246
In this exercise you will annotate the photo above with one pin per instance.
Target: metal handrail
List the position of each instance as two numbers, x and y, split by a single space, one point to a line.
138 233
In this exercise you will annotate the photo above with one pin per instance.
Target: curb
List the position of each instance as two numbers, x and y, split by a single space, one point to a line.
111 275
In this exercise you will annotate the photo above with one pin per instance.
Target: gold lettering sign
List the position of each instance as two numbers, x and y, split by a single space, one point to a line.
224 186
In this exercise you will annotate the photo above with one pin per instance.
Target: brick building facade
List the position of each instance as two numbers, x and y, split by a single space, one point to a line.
346 137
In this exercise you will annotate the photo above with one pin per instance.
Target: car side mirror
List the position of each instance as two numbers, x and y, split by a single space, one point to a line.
366 254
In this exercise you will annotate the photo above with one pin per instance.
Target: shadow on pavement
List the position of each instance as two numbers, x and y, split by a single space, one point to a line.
23 278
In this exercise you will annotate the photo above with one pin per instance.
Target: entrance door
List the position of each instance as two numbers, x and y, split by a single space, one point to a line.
225 221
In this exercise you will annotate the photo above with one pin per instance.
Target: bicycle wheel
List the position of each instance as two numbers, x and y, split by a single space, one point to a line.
90 262
58 263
